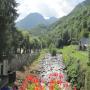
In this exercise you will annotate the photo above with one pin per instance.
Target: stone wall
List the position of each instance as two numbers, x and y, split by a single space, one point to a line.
20 60
16 62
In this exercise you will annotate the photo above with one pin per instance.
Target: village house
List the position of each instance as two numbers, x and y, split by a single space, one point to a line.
84 43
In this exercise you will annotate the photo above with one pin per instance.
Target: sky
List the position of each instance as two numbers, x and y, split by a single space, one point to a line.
48 8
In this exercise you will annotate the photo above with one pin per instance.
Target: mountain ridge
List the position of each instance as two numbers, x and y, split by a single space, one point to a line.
33 20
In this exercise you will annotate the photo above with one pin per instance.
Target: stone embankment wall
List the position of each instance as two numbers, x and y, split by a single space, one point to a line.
20 60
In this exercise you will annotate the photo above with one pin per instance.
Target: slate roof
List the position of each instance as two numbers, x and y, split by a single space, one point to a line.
85 41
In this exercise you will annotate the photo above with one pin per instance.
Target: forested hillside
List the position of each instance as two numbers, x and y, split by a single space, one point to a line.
39 30
74 26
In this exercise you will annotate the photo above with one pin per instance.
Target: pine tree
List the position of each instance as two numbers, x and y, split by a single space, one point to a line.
8 16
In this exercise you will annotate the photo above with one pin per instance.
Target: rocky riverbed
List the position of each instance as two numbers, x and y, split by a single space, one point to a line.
52 68
48 69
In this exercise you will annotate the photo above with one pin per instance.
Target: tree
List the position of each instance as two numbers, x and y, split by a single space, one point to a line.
88 56
66 38
36 44
27 44
7 25
17 40
52 49
59 43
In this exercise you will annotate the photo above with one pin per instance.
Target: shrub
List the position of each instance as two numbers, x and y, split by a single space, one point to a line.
88 56
88 63
52 50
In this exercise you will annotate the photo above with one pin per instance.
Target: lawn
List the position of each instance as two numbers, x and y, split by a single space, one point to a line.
72 51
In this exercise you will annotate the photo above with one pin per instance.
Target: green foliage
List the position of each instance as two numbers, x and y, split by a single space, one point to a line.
66 38
56 87
87 79
24 40
88 56
31 87
86 34
76 74
72 51
71 28
76 65
39 30
52 50
7 26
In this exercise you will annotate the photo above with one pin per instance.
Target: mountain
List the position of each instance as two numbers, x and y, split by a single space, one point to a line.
51 20
33 20
76 24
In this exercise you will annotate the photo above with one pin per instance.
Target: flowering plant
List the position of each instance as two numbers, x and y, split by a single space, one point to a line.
31 82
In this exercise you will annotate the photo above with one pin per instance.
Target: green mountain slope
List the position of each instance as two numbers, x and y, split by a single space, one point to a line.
39 30
76 24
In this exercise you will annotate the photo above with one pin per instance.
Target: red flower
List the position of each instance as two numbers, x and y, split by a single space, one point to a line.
75 88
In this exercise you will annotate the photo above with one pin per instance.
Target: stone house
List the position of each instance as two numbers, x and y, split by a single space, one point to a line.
84 43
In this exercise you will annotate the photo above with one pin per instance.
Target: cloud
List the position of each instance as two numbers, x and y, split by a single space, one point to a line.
47 8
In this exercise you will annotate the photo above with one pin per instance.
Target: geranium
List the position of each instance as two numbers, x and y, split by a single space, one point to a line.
75 88
39 84
61 75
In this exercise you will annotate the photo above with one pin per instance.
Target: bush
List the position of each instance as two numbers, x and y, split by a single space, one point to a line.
52 50
87 80
88 63
60 52
76 74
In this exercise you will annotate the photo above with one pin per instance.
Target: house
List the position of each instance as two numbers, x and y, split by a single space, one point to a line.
84 43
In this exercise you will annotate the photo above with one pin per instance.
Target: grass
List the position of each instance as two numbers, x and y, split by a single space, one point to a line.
72 51
41 56
87 79
34 65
